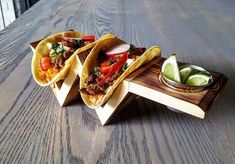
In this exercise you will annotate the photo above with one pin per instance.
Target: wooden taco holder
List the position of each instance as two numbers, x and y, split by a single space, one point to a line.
143 82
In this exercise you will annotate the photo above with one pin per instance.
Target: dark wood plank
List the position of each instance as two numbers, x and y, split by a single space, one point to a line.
35 129
150 78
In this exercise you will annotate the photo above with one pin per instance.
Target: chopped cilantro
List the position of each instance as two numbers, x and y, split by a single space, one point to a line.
124 67
54 55
78 43
96 71
54 46
111 61
60 49
75 42
118 57
131 51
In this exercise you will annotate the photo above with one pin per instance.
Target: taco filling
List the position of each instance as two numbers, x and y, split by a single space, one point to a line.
112 63
60 51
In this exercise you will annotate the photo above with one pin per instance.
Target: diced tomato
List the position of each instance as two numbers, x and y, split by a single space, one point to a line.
114 68
104 70
45 63
89 37
105 64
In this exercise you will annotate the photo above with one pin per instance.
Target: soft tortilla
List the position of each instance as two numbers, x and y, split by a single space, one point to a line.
92 61
42 50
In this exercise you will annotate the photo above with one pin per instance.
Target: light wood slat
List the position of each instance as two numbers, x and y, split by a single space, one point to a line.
35 129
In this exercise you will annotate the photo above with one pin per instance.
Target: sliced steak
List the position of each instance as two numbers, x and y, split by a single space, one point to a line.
90 79
94 89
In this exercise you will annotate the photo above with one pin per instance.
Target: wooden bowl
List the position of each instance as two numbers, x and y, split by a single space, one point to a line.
183 87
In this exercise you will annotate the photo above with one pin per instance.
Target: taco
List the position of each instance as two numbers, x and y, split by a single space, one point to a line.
54 55
107 65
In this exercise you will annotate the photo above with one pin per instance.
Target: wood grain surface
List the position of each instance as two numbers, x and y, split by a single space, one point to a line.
151 79
35 129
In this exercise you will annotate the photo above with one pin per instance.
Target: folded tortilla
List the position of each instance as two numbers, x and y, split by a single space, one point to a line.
95 101
42 50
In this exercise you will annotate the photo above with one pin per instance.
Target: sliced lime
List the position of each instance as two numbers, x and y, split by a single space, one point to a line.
198 79
170 69
185 73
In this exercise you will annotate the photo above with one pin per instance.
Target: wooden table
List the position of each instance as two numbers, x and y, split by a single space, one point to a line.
35 129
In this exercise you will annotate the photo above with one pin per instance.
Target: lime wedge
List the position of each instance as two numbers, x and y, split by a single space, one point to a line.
198 79
170 69
185 73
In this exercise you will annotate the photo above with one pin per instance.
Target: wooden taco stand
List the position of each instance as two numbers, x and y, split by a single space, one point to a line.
143 82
